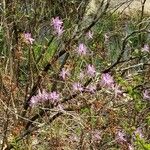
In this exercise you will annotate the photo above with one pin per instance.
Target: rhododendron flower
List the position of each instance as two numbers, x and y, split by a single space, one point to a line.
89 34
138 132
146 48
82 49
121 137
146 95
54 96
56 22
44 96
77 87
28 38
96 135
34 100
57 25
64 73
59 31
40 97
91 70
107 80
130 147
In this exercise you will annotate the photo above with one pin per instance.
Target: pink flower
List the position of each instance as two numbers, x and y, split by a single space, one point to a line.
130 147
56 22
40 97
89 34
77 87
64 73
59 31
43 96
57 25
146 48
96 135
91 70
54 96
146 95
138 132
34 100
121 137
28 38
82 49
107 80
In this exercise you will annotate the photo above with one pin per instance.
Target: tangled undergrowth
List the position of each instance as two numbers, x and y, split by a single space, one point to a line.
69 83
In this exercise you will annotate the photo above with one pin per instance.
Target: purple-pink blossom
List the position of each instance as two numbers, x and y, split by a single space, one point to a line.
28 38
91 71
138 132
107 80
40 97
81 49
146 95
77 87
44 96
57 25
96 135
121 136
59 31
64 73
54 96
56 22
34 100
130 147
146 48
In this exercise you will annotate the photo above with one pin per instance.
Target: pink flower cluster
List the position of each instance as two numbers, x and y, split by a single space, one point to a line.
28 38
122 138
138 132
81 49
96 135
44 96
91 71
108 81
77 87
57 25
146 48
64 73
146 95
